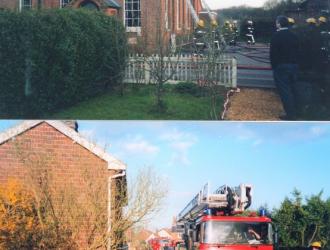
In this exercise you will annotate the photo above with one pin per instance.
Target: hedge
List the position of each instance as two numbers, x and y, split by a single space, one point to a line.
52 59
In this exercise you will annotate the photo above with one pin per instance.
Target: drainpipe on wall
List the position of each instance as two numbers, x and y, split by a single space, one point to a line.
122 174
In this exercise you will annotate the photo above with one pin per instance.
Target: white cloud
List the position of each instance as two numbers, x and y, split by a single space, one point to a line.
180 142
317 131
138 145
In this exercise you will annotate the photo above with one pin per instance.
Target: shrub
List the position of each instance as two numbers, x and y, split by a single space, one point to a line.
188 88
24 224
52 59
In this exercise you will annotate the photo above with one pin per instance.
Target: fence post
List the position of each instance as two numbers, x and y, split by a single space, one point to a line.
147 70
234 73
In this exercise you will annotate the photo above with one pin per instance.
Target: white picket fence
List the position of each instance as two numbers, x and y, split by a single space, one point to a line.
182 68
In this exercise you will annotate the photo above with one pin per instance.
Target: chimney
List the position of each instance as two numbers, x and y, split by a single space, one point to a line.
71 124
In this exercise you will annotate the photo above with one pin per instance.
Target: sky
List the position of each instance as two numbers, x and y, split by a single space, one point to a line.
274 157
221 4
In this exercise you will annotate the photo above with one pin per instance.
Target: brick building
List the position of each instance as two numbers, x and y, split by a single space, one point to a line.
63 152
142 18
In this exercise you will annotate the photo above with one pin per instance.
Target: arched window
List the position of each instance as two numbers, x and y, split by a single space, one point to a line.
133 13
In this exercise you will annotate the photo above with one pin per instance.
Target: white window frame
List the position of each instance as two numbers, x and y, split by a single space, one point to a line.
22 6
188 20
178 23
136 29
62 4
166 15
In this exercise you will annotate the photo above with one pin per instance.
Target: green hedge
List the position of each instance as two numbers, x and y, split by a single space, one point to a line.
55 58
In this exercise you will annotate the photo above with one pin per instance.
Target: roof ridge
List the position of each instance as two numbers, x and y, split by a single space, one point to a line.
113 163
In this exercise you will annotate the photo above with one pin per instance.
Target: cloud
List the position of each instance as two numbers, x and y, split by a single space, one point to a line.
137 145
318 131
180 142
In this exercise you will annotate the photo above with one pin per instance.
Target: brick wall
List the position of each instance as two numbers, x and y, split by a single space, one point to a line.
153 17
43 147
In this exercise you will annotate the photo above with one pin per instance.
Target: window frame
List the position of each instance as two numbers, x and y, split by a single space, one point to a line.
62 4
22 6
139 19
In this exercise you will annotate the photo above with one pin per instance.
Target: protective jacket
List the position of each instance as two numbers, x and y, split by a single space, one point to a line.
284 48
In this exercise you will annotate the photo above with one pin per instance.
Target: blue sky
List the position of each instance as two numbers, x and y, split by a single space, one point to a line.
274 157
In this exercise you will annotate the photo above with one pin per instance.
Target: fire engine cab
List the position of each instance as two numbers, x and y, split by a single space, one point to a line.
214 220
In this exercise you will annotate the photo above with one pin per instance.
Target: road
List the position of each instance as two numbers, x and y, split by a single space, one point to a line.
253 65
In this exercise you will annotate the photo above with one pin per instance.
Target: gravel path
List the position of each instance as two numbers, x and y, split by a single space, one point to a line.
252 104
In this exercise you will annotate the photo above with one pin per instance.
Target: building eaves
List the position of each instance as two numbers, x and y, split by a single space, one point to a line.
113 163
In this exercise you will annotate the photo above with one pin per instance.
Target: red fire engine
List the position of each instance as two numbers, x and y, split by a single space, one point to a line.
214 220
161 243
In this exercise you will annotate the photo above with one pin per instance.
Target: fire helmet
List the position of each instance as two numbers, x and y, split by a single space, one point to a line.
201 23
311 20
316 244
291 20
322 19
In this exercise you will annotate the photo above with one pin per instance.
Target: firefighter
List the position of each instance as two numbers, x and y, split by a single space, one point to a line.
323 23
310 46
235 33
199 37
227 31
284 51
252 234
250 32
292 22
316 245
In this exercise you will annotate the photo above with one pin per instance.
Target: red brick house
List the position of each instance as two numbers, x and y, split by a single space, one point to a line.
142 18
59 148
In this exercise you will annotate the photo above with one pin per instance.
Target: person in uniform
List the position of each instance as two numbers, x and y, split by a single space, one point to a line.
284 61
250 32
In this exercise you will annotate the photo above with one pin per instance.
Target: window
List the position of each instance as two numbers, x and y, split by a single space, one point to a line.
63 3
132 13
26 4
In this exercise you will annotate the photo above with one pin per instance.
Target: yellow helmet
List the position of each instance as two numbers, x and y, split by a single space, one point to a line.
291 20
322 19
214 23
201 23
316 244
311 20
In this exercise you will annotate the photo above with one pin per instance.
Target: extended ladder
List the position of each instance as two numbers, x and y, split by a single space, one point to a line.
235 199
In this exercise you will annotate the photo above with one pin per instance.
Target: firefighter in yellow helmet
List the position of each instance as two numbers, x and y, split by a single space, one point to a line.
311 21
291 21
316 245
227 31
323 23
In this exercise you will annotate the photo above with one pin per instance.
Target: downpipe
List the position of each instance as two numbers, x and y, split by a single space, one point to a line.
122 174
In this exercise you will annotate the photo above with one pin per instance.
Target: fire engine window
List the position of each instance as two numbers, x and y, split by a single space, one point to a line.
220 232
133 13
26 4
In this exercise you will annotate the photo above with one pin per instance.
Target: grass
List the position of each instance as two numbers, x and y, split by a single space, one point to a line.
139 104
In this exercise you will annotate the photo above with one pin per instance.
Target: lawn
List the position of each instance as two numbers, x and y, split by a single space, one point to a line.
139 104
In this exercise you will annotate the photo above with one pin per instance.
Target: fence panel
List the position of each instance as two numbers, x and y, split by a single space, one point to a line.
183 68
